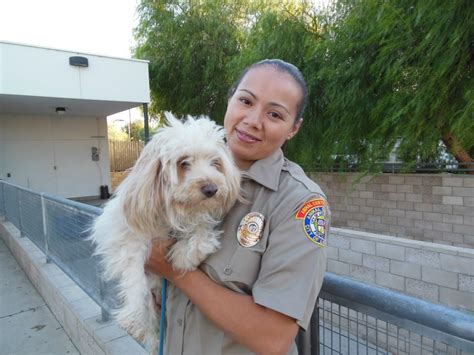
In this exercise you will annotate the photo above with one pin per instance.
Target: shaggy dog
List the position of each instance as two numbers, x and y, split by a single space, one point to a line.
183 184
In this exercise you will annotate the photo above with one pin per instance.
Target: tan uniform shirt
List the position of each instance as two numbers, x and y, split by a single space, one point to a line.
284 271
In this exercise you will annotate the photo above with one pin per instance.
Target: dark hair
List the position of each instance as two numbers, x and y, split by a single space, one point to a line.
284 67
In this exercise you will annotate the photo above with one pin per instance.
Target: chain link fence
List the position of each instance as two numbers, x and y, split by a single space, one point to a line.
352 317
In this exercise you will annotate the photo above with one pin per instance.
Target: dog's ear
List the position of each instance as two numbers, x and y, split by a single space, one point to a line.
141 192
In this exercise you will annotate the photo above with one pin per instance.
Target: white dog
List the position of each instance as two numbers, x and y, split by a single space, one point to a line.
183 183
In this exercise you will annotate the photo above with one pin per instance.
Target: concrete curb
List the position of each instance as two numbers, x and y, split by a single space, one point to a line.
79 315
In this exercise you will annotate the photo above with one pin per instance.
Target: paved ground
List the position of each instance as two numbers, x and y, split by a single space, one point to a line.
27 326
94 202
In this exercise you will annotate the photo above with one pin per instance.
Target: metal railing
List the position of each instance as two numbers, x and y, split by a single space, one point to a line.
358 318
352 317
59 228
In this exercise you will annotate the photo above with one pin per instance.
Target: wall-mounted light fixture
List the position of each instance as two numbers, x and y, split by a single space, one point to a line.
60 110
78 61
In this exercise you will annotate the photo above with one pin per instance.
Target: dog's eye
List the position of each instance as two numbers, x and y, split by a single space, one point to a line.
184 164
216 163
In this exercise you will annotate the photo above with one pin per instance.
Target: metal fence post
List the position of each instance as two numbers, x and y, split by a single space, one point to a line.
105 315
19 212
45 230
4 207
315 337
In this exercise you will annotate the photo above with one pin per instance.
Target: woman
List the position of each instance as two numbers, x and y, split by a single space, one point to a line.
253 294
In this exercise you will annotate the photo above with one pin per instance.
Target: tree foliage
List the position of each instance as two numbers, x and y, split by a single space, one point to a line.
189 44
288 31
115 133
381 73
399 71
137 131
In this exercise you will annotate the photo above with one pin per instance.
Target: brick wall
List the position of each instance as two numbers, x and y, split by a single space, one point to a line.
437 208
435 272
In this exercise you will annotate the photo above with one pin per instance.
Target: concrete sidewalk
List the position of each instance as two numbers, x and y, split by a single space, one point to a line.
27 325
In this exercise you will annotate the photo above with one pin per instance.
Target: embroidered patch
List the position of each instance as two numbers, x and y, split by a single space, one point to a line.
250 229
314 221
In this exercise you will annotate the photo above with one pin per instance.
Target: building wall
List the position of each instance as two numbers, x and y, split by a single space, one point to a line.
49 74
434 272
53 153
429 207
2 147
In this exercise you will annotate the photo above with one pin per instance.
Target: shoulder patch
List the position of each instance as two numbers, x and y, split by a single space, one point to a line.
313 216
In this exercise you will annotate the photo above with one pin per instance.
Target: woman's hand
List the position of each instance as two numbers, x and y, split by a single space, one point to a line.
158 263
236 314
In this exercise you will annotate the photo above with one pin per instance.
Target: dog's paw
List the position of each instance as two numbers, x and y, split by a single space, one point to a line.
137 331
182 258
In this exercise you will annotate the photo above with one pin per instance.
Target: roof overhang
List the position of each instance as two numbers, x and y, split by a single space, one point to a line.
35 80
35 105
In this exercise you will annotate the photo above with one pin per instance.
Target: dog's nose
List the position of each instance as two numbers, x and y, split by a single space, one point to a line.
209 190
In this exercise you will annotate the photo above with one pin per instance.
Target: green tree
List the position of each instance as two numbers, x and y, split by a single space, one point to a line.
188 44
288 31
380 73
397 71
137 131
198 48
115 133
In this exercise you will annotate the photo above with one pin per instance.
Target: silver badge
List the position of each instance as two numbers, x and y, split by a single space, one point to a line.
250 229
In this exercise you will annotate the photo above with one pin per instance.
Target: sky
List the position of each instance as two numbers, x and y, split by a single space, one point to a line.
91 26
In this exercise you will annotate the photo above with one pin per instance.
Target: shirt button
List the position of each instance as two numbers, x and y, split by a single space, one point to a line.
180 322
228 270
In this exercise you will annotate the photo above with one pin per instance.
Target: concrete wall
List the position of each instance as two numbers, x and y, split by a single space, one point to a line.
435 272
53 153
437 208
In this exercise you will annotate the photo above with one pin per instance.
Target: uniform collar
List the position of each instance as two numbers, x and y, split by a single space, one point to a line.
267 171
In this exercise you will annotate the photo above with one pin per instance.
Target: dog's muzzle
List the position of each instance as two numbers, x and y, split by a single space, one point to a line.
209 190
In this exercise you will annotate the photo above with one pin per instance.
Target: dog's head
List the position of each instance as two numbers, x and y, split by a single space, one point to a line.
185 174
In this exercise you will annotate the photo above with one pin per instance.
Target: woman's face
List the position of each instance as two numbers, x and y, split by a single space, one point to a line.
261 114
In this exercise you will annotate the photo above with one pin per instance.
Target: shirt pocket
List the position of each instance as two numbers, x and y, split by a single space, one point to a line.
244 267
237 273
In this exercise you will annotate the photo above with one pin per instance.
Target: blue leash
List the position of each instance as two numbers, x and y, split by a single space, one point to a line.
164 286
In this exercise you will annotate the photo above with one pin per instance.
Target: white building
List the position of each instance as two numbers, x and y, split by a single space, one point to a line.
53 109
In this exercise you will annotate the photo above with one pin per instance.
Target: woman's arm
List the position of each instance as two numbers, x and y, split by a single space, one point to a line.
261 329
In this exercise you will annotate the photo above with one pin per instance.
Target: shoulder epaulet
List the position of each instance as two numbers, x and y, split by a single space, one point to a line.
298 174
